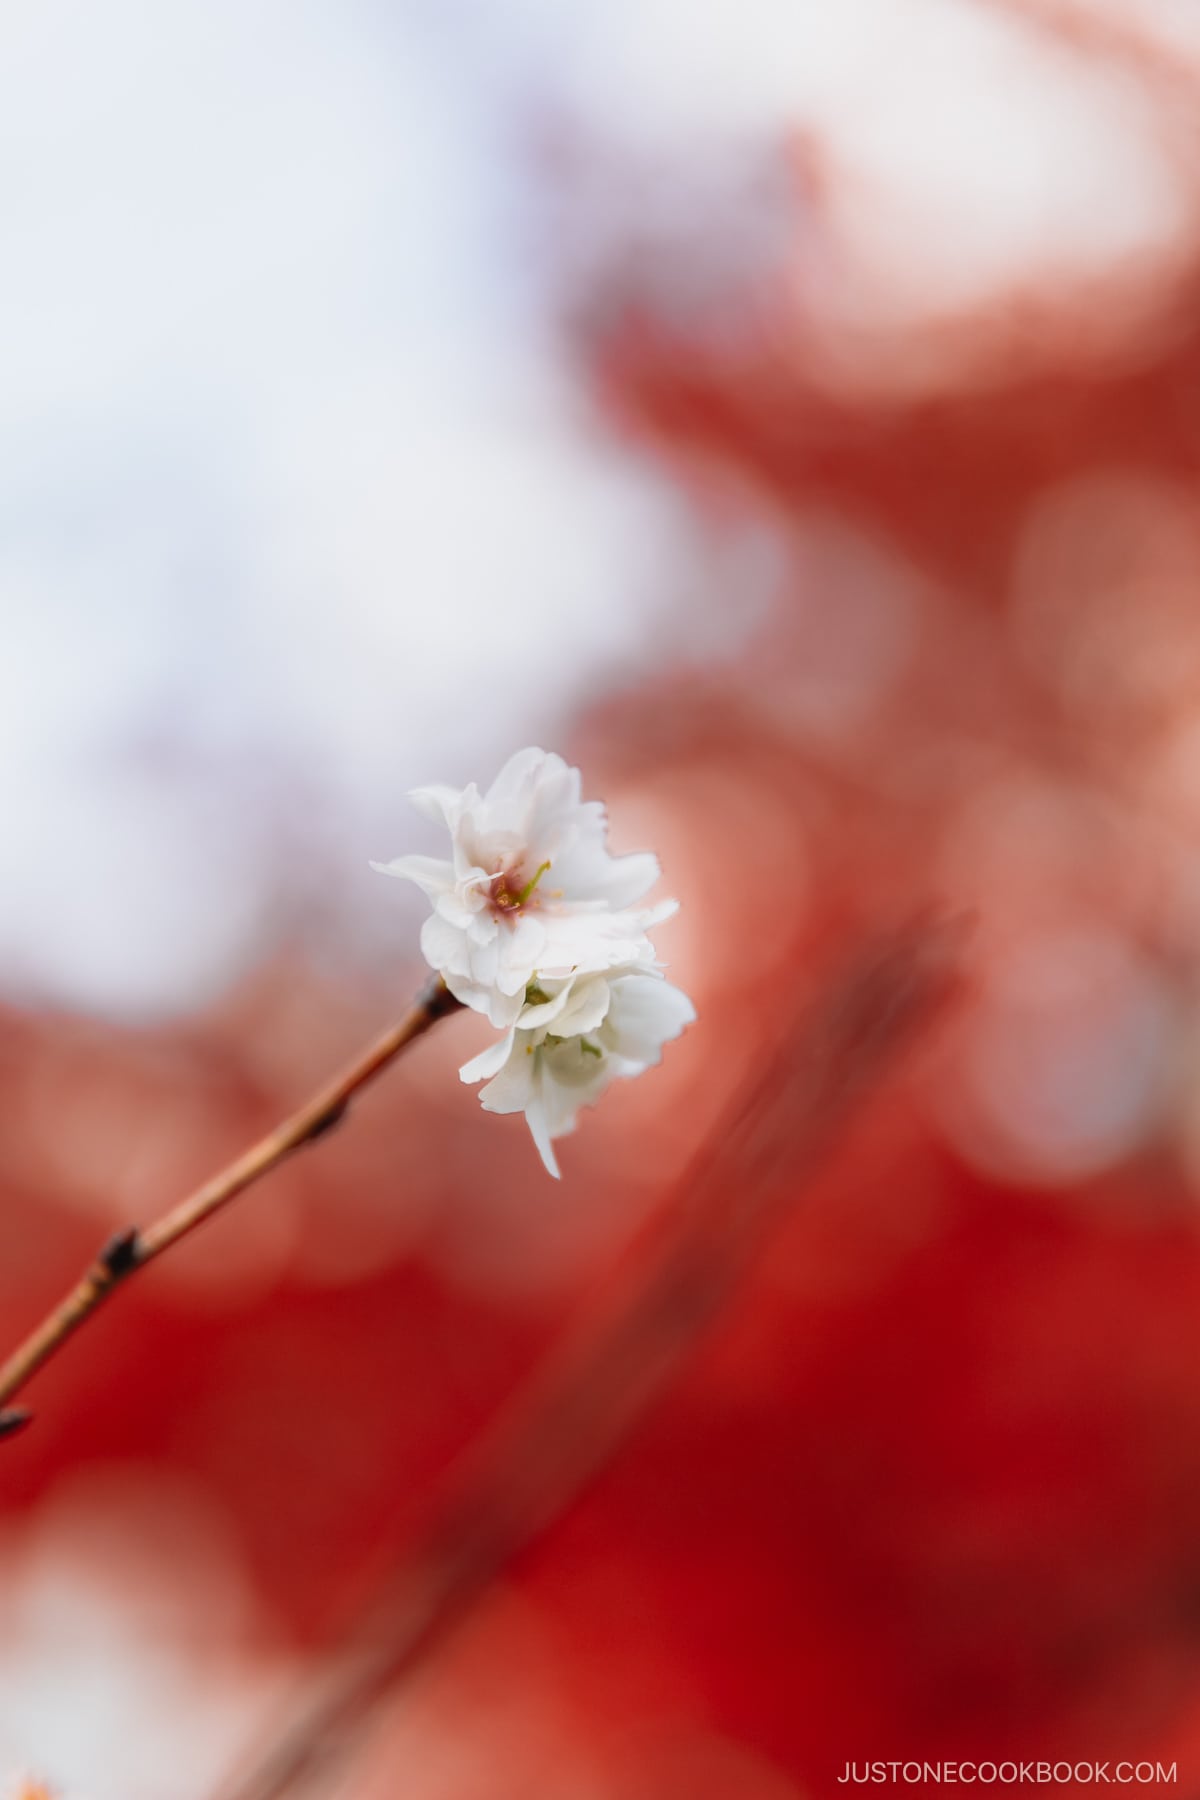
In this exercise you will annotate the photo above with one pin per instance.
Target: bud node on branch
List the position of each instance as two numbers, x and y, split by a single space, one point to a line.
122 1254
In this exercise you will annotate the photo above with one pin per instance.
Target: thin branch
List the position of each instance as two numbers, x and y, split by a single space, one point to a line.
131 1250
572 1418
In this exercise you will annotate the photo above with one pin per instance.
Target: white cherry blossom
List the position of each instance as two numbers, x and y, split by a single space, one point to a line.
572 1036
530 888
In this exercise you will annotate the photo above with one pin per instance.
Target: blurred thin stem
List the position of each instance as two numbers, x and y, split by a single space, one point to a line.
131 1250
751 1167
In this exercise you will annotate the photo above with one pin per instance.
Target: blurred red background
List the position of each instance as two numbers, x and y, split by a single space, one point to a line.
932 1490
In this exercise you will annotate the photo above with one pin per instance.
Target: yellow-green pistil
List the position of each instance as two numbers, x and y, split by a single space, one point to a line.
504 896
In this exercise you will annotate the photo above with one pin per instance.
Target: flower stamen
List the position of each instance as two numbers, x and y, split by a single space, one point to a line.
504 896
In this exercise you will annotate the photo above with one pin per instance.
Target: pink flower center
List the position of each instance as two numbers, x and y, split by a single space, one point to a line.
508 893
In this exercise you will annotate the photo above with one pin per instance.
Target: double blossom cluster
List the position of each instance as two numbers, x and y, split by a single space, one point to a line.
535 924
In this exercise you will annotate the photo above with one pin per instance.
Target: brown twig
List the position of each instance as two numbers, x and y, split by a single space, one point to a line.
133 1249
571 1419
